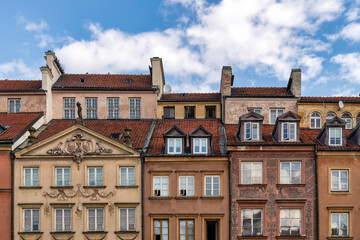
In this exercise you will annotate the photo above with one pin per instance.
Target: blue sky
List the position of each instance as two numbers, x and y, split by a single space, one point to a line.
261 39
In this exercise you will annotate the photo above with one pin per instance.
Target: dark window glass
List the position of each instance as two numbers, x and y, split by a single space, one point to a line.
210 111
169 112
189 111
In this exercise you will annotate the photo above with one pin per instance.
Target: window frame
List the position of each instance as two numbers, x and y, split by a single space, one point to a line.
357 120
175 145
347 117
252 167
127 219
91 104
186 112
186 185
210 108
63 226
328 118
200 145
95 219
348 223
339 180
317 119
212 177
277 110
69 109
256 110
63 180
135 108
252 124
32 176
161 184
95 176
290 226
289 125
169 108
16 105
113 104
341 140
31 219
127 179
186 228
252 227
291 172
161 220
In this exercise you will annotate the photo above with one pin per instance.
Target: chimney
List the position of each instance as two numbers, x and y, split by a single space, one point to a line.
52 71
157 74
127 136
226 81
294 84
31 137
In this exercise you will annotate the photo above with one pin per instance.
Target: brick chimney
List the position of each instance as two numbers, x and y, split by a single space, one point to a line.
226 81
294 84
157 74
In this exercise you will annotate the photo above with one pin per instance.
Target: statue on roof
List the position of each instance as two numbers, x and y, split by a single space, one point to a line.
80 118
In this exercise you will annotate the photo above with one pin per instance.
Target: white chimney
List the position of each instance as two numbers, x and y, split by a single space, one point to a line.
157 74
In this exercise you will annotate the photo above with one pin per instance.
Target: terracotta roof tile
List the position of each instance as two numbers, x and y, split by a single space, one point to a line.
103 81
20 85
17 123
186 126
140 129
190 97
260 92
330 99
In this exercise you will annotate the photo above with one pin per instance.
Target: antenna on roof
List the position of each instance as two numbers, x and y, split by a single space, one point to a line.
341 105
167 88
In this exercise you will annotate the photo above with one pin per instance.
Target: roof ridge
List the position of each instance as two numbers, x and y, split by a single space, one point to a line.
191 93
24 80
106 74
258 87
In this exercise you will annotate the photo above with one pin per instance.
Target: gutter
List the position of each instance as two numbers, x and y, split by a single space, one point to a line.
230 194
142 194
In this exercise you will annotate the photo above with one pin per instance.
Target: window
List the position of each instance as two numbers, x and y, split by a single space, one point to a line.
339 180
200 145
14 105
357 119
251 131
251 222
329 116
62 220
31 220
339 224
288 132
186 186
315 120
62 176
127 176
290 222
31 177
186 229
290 173
161 230
257 110
210 111
174 145
189 111
335 138
127 219
212 185
96 219
251 172
95 176
348 119
69 108
91 108
274 113
161 186
169 112
113 108
135 108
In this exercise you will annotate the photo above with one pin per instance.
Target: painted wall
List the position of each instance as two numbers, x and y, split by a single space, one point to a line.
179 108
5 194
235 107
30 102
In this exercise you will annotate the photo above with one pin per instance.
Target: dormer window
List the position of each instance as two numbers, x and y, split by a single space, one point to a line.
335 136
200 145
174 139
288 132
174 146
251 131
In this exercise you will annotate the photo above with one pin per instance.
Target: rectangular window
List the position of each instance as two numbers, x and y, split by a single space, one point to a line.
135 108
161 186
186 186
31 220
189 111
251 131
212 185
335 136
251 172
290 222
127 176
113 108
274 113
339 224
288 131
91 108
96 219
210 111
251 222
186 230
62 176
200 145
169 112
62 220
69 108
31 177
339 180
127 219
174 145
161 230
14 105
95 176
257 110
290 173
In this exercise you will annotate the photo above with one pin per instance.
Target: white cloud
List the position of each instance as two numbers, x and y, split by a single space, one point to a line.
343 91
32 26
18 70
349 32
350 66
353 14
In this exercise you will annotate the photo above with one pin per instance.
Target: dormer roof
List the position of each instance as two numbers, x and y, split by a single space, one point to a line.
199 131
286 117
174 131
354 136
289 116
251 116
324 135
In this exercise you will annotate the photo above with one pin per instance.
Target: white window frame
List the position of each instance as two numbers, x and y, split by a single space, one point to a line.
63 224
113 108
290 227
69 108
188 187
251 125
252 170
129 182
128 220
256 110
14 105
339 224
200 145
134 108
277 114
252 221
91 108
96 176
63 180
328 117
289 125
316 119
348 120
291 172
163 186
175 145
339 171
31 219
96 219
331 129
32 177
212 188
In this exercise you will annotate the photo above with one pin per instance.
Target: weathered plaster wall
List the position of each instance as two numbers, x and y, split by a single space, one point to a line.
179 108
30 102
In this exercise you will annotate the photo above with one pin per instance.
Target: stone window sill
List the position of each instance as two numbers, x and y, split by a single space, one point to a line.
61 187
95 232
127 186
252 237
126 232
289 186
291 237
32 233
186 198
102 186
252 185
160 198
340 238
30 187
64 232
212 197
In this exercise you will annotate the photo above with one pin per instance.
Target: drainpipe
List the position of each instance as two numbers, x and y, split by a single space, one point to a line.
317 192
12 158
142 193
230 200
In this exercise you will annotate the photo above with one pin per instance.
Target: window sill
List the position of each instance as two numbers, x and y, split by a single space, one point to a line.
62 232
127 186
290 237
160 198
95 232
186 197
342 238
31 233
212 197
61 187
126 232
253 185
289 185
252 237
102 186
30 187
340 192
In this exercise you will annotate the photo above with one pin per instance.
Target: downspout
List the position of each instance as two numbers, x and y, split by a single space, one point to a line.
142 193
317 192
230 200
12 158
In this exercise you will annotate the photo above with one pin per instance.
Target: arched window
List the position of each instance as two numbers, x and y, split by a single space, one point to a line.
329 116
315 120
348 119
358 119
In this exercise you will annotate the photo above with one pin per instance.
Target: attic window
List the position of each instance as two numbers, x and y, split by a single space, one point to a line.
128 80
251 131
183 94
82 80
288 132
335 136
116 136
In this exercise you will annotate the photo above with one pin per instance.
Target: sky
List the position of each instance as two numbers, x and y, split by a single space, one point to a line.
262 40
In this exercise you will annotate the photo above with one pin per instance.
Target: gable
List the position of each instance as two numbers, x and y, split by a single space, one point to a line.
200 131
289 116
251 116
174 131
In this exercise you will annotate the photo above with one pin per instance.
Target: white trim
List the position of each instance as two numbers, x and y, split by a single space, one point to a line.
315 120
187 185
335 128
95 176
127 219
289 139
276 114
252 221
212 185
252 168
127 176
161 186
175 145
339 180
200 145
96 223
252 124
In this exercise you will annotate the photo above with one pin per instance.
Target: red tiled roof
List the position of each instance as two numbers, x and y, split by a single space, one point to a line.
190 97
186 126
103 81
139 132
17 122
330 99
260 91
20 85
